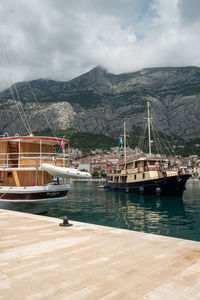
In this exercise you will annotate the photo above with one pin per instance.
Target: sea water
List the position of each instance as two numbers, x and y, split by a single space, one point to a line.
173 217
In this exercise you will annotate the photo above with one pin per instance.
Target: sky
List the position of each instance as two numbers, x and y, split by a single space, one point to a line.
62 39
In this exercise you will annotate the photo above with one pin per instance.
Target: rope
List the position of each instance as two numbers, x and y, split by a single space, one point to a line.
142 137
160 144
168 143
5 56
25 120
34 96
6 192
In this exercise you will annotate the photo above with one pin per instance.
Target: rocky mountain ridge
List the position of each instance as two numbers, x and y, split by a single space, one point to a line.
100 102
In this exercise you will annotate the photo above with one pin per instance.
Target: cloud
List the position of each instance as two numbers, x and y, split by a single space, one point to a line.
63 39
189 11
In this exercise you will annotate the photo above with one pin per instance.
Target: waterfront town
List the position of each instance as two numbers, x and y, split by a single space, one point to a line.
100 162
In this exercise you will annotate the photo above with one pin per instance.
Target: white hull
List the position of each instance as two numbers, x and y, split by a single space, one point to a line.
65 172
46 193
36 199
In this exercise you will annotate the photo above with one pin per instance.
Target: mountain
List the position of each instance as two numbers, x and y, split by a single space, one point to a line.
99 102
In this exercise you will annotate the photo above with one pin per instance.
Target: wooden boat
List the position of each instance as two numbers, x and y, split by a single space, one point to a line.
22 178
147 175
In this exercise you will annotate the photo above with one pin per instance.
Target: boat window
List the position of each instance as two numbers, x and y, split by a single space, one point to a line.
124 179
152 163
9 174
129 166
135 176
143 175
116 179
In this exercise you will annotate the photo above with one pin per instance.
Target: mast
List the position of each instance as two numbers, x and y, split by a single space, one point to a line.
125 143
149 127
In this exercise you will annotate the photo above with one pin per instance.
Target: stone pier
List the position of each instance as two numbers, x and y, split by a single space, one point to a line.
41 260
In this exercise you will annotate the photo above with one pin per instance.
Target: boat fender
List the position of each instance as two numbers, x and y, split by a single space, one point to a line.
158 191
141 189
126 171
179 178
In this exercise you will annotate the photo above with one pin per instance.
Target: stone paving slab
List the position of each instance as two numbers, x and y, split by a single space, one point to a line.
41 260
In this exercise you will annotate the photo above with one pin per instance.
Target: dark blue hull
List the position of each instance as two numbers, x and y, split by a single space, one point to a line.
167 186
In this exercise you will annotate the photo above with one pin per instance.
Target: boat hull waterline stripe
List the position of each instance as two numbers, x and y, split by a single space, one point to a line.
33 197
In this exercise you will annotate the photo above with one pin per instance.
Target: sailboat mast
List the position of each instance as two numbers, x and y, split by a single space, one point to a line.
149 128
125 143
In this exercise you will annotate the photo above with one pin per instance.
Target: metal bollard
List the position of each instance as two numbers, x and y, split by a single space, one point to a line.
65 222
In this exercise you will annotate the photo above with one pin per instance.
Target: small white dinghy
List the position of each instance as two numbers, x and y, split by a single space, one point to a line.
64 172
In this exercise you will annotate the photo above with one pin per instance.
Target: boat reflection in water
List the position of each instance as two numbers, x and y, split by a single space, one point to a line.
148 213
38 207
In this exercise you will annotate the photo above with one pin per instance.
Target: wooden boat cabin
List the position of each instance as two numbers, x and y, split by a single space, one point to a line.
139 170
21 158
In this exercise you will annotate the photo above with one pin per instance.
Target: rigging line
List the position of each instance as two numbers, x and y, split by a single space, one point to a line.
170 146
5 192
5 56
157 141
142 137
34 96
162 142
28 125
4 53
17 105
142 132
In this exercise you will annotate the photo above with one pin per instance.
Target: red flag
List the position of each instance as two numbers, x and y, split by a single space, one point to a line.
62 145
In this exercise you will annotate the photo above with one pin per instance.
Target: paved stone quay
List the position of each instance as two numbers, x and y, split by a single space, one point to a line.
41 260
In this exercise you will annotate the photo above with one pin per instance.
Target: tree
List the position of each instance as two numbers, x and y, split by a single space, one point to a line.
84 170
103 174
95 173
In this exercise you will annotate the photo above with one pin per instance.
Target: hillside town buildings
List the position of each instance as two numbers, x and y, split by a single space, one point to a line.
103 161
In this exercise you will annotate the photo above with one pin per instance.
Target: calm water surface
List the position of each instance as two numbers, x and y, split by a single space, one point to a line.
166 216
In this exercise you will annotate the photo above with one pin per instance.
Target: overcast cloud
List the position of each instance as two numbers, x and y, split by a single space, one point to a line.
61 39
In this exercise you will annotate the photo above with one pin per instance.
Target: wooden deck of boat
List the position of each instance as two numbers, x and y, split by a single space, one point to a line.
41 260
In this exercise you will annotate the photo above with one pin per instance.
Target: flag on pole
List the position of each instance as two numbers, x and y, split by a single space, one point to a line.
62 145
121 142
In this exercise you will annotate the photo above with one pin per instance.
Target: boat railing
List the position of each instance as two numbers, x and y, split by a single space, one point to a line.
140 170
32 159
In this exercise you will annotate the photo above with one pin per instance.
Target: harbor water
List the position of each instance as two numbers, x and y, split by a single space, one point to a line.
89 203
173 217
